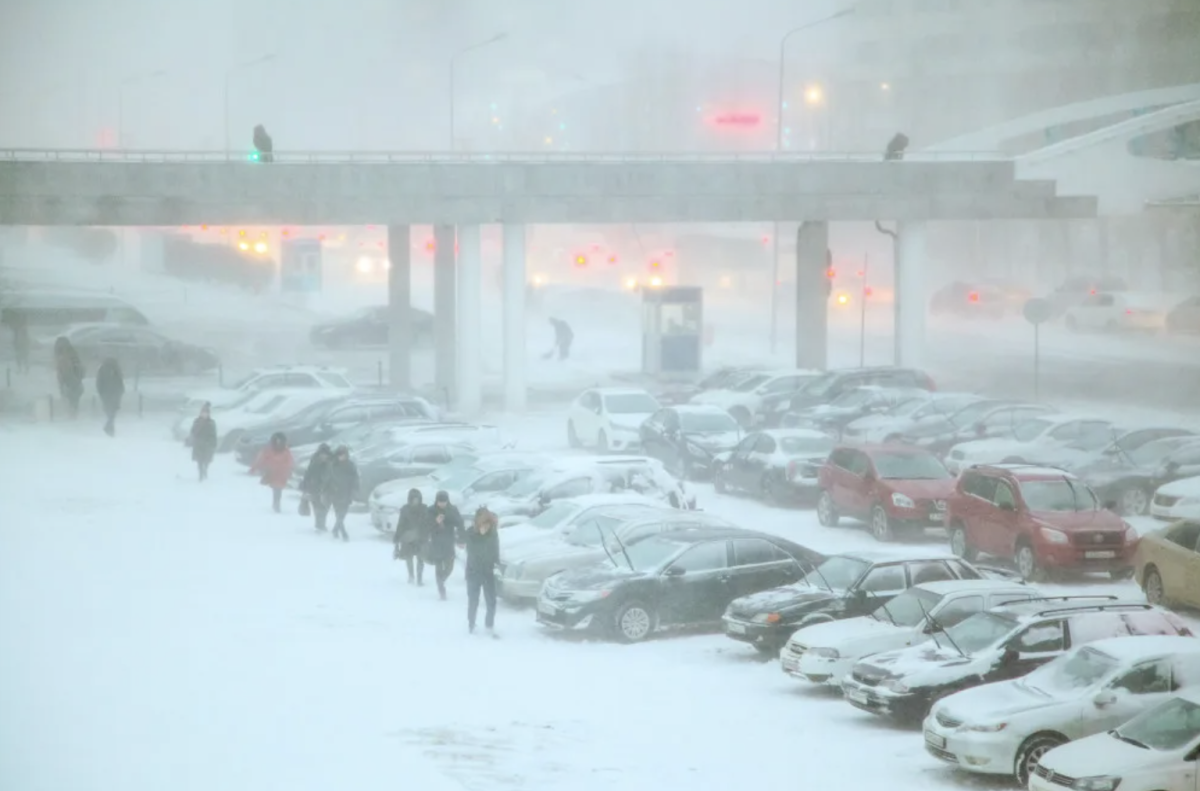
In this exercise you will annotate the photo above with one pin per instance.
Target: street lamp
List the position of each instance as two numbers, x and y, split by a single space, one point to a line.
125 83
229 76
779 108
453 63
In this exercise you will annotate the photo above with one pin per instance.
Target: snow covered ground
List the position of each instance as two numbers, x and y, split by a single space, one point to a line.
161 633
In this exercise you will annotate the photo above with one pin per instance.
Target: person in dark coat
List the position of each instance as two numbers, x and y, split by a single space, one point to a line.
445 525
340 486
563 338
896 147
313 485
203 437
110 386
275 464
483 553
264 144
69 368
412 530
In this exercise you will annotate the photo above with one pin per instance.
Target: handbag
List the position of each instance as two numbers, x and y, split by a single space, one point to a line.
305 506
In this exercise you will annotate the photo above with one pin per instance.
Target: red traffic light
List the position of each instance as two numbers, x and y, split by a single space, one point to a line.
973 296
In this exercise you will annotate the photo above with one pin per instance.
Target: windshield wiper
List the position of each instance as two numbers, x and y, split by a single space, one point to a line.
1074 494
937 627
620 544
1116 734
817 570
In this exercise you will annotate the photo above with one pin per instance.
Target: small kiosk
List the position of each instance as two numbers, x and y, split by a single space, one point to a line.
672 331
300 265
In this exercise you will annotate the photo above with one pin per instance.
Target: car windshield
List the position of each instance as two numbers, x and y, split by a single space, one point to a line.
907 609
707 422
461 478
971 413
1168 726
1031 429
909 467
805 446
1094 439
908 406
529 485
245 380
837 573
942 407
335 380
818 387
853 398
981 630
596 531
1074 671
313 411
554 515
265 406
630 404
1057 494
651 553
749 383
1153 453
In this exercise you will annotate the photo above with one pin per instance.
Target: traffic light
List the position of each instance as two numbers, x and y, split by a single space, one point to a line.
254 156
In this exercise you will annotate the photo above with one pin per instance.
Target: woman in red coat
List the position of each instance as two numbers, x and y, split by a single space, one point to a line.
275 463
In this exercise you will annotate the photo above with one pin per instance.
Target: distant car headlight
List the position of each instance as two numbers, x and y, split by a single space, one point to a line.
825 653
1098 783
895 685
1053 536
994 727
902 501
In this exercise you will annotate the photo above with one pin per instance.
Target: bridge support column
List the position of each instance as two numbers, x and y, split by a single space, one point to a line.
911 295
514 318
400 325
444 302
470 328
812 295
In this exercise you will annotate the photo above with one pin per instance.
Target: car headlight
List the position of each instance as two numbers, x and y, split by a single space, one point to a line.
895 685
1053 536
825 653
767 617
582 597
994 727
1098 783
902 501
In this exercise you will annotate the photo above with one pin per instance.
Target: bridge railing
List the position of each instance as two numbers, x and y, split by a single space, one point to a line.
450 157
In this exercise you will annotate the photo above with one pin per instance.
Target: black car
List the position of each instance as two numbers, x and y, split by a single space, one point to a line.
367 327
997 645
1128 477
326 419
139 350
980 420
687 438
779 465
844 586
832 384
852 405
670 580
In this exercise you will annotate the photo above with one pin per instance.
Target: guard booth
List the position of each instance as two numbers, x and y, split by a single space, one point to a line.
300 266
672 331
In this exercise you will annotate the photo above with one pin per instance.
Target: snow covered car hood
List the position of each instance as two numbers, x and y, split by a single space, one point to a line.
854 633
716 442
558 556
996 449
628 422
723 398
1100 755
918 665
594 577
521 539
996 701
898 424
1185 487
787 599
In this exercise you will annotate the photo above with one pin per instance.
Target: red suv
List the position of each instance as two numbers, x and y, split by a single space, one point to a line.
891 487
1042 518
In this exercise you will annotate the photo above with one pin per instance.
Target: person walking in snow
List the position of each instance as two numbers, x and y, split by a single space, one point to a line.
445 524
412 530
483 553
274 464
563 338
110 386
338 489
312 487
69 368
203 437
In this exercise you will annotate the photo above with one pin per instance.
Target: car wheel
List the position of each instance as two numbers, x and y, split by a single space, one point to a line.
741 415
827 513
1134 501
881 525
1027 565
602 441
1031 752
719 480
633 623
572 437
1152 584
960 546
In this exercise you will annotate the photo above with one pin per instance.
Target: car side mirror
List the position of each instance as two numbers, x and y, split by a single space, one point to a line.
1105 698
674 571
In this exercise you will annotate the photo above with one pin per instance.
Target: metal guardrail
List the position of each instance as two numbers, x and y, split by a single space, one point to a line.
449 157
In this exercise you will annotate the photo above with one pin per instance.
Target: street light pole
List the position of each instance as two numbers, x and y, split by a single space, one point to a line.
453 63
779 107
228 77
125 83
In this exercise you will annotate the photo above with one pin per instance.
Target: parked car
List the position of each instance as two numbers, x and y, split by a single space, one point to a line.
825 652
1127 477
879 428
687 438
565 516
745 399
279 377
267 408
416 455
1167 564
1185 317
843 586
139 350
780 465
671 580
1123 445
890 487
832 384
1042 519
1005 642
1157 750
980 420
534 493
852 405
1036 440
609 418
1004 728
1119 311
368 326
1177 500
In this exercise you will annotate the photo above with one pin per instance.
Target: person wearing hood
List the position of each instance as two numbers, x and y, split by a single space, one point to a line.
339 487
312 486
483 553
275 464
203 437
445 525
110 386
412 530
69 368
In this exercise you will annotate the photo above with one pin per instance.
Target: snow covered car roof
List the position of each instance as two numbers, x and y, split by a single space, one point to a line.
1134 648
947 587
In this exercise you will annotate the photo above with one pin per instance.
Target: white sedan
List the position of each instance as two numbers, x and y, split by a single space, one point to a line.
1039 440
608 418
267 407
1177 500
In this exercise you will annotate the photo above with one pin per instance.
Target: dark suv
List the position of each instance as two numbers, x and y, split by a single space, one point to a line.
1041 518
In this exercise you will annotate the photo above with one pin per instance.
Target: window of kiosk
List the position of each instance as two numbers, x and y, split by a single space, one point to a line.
679 319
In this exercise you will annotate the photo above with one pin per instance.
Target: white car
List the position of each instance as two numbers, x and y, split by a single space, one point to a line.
608 418
876 429
1005 727
825 652
745 399
1177 500
563 516
289 377
1037 440
1158 750
1111 311
267 407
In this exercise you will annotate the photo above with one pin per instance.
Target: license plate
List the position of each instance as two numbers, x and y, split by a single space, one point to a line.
1099 555
937 516
933 740
547 609
737 628
856 696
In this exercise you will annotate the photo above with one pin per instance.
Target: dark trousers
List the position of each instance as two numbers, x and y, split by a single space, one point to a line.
110 425
481 581
409 562
339 524
442 571
276 499
202 466
320 509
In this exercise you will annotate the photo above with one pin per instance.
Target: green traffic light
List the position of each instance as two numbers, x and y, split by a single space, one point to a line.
253 157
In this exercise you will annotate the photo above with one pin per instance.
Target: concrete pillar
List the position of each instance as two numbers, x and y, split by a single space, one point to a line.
514 318
470 328
812 295
912 295
444 321
400 328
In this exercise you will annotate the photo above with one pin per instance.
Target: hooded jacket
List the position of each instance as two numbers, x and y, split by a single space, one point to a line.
110 385
442 536
413 525
69 368
204 438
340 482
483 549
274 462
314 476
